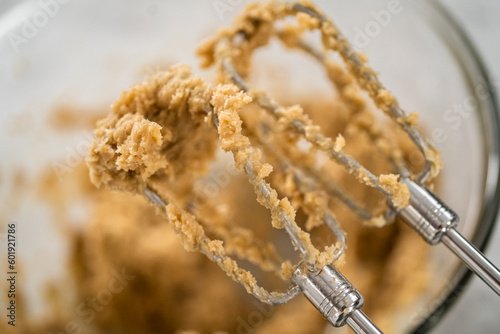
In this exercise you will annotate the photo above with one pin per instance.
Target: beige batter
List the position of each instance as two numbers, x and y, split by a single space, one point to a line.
175 291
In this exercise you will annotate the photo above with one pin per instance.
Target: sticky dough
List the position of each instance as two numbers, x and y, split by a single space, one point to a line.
162 132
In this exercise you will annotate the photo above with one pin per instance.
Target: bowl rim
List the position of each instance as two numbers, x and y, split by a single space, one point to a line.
450 30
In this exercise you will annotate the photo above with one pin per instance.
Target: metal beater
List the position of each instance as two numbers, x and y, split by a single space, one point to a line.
327 289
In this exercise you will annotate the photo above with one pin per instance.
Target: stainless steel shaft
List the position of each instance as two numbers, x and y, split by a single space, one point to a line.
473 258
435 222
335 298
361 324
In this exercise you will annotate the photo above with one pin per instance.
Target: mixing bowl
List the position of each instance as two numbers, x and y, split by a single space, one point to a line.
83 53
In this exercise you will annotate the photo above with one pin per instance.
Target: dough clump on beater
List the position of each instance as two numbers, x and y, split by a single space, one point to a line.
162 136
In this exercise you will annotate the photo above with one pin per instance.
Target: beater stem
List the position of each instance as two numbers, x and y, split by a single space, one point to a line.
473 258
361 324
436 222
335 298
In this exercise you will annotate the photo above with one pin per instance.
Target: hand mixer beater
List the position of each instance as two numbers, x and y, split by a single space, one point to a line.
161 137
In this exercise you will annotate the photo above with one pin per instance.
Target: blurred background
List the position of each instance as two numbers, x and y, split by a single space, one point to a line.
480 21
